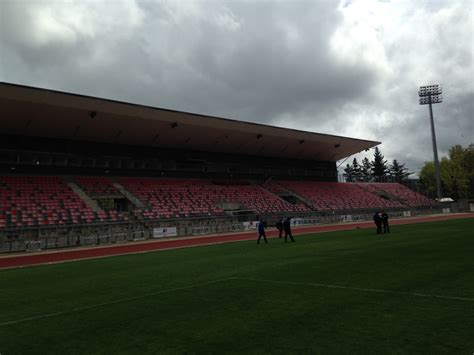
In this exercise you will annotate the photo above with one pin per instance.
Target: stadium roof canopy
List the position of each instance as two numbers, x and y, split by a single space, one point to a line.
30 111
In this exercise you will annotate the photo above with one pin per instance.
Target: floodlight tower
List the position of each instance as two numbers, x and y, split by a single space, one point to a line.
431 94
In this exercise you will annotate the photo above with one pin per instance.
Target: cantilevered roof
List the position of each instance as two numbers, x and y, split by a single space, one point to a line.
39 112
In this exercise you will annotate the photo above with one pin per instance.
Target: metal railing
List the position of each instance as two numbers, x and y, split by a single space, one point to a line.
67 236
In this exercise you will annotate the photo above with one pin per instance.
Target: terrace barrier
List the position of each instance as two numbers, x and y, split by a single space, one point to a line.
56 237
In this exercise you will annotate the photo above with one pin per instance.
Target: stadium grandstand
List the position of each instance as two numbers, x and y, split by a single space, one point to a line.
79 170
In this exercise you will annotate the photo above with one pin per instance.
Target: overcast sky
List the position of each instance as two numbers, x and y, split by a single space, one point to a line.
348 68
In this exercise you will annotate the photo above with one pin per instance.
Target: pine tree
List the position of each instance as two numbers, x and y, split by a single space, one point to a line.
349 173
366 170
398 172
356 170
379 166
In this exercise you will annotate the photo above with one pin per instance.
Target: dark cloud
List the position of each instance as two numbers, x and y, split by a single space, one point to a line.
307 65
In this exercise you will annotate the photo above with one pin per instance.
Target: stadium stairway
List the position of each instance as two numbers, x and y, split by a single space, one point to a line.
276 196
128 195
91 189
279 190
89 201
97 186
381 193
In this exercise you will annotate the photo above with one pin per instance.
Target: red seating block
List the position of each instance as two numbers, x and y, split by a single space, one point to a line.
96 185
330 196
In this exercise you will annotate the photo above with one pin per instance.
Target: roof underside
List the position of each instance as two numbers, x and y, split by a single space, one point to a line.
38 112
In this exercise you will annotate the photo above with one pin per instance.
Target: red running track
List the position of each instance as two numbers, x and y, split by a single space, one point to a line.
58 256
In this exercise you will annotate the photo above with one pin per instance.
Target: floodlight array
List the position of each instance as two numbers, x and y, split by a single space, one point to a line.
434 99
430 94
430 90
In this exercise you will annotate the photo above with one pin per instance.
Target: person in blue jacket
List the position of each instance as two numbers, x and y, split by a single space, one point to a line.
261 231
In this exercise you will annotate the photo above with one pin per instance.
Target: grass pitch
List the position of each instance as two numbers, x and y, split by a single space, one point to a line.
342 292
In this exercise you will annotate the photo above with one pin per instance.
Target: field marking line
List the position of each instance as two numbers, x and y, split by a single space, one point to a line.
416 294
120 300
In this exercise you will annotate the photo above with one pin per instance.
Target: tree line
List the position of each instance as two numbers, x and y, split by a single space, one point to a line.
376 170
456 173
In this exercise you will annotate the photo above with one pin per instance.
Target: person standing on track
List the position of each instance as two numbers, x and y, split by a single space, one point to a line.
386 228
279 226
378 222
261 231
287 228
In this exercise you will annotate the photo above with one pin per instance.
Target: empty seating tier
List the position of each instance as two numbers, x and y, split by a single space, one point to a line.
400 192
330 196
167 198
40 201
96 186
30 201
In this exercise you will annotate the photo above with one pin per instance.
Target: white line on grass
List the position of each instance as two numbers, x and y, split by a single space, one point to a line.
120 300
127 299
359 289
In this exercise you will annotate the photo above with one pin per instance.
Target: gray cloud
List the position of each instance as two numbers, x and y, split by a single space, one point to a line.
351 70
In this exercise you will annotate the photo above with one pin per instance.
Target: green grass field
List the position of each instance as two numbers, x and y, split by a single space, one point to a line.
341 292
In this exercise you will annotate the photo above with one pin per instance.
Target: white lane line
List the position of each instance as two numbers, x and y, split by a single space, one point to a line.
120 300
416 294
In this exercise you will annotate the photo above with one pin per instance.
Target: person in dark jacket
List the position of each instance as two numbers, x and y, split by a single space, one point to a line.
279 226
287 228
378 222
261 231
386 228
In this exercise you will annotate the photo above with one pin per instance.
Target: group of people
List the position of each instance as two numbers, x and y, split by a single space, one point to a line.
381 220
283 224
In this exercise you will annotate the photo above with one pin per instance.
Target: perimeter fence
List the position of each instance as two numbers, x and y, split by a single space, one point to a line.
68 236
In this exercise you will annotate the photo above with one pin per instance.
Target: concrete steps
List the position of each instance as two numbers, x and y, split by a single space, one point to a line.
80 192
